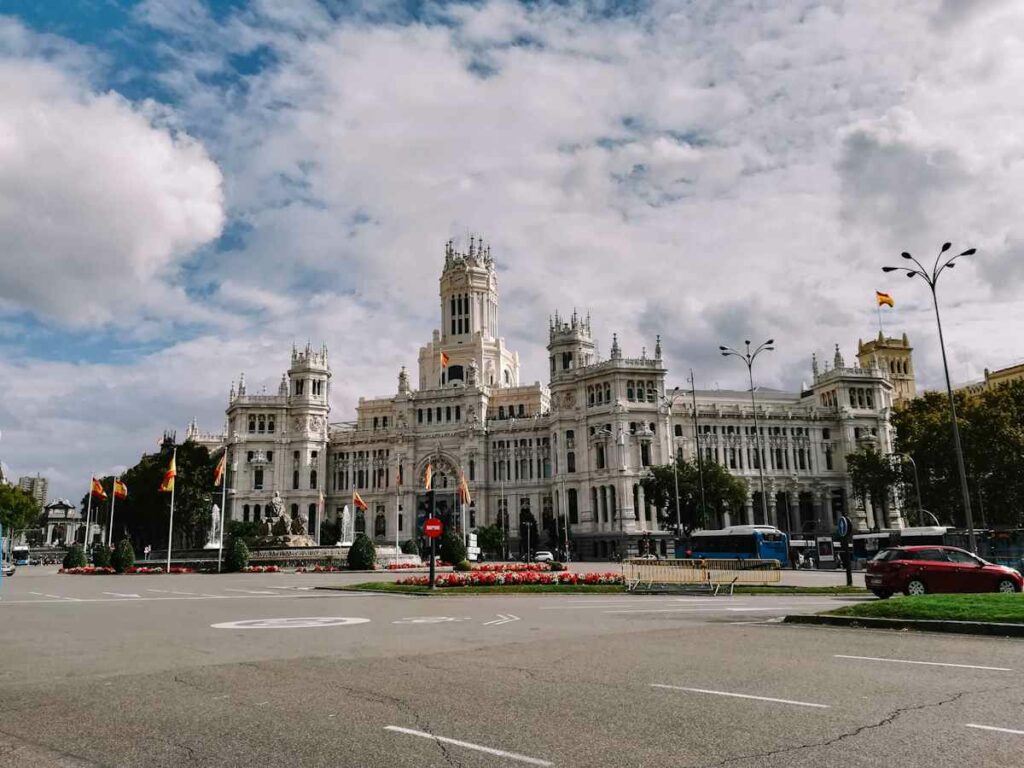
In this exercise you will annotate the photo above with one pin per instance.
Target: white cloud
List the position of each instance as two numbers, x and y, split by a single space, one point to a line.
100 201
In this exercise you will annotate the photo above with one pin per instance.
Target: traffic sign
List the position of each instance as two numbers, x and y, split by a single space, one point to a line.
432 528
843 526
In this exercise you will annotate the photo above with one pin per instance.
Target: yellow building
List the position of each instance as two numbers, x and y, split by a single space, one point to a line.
895 358
994 379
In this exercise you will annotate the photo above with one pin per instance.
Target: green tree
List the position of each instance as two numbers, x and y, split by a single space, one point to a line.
491 539
409 547
453 550
17 509
992 434
362 554
123 557
238 556
74 557
874 477
101 555
721 490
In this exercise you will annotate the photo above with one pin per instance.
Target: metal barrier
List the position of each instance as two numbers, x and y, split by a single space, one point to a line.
709 574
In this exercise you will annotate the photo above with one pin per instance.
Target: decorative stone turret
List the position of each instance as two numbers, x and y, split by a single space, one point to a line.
616 353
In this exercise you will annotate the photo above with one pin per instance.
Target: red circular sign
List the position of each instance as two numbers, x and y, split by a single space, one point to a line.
432 527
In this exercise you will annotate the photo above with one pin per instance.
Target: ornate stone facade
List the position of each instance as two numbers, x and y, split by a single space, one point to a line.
576 447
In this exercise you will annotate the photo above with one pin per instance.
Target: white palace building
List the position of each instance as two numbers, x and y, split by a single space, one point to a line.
576 447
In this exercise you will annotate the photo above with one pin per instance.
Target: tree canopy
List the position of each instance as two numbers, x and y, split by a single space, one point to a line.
721 490
873 476
992 434
17 509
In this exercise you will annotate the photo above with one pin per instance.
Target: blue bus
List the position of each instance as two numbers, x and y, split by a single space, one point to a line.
739 542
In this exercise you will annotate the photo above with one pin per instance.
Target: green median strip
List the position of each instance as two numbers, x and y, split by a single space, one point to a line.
387 586
997 608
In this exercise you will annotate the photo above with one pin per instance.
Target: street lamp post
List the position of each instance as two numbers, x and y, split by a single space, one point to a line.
917 487
748 358
932 278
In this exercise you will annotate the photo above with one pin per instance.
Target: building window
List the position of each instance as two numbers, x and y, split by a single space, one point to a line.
312 479
645 454
380 528
828 457
245 513
401 521
629 390
256 513
298 386
252 424
270 424
360 521
679 430
826 434
295 480
430 415
570 462
472 469
501 411
257 479
600 456
438 414
573 503
458 413
419 415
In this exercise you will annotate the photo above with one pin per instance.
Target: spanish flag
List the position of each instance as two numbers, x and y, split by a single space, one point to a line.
884 298
428 478
97 490
218 471
464 496
120 489
167 485
444 359
358 503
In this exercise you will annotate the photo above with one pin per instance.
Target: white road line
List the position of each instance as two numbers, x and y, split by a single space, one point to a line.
467 745
187 594
121 594
250 591
69 600
503 618
741 696
926 663
993 728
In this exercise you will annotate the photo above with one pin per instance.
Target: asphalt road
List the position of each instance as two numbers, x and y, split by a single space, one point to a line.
155 671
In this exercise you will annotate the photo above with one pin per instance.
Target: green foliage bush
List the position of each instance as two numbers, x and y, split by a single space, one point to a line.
463 565
101 556
362 554
409 547
452 549
247 531
557 566
75 557
238 556
123 557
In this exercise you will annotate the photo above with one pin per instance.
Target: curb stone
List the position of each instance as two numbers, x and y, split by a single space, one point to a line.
994 629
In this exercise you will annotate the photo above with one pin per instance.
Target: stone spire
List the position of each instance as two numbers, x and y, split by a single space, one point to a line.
657 347
814 365
616 352
403 382
837 361
241 384
282 388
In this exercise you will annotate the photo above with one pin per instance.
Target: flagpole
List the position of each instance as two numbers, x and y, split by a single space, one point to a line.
88 514
223 504
880 330
170 522
110 526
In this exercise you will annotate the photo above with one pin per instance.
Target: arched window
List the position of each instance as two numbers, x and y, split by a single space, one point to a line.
380 527
245 513
256 513
607 392
295 510
312 478
472 469
629 390
570 462
360 521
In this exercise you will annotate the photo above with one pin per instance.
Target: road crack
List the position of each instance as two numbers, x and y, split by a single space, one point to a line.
887 720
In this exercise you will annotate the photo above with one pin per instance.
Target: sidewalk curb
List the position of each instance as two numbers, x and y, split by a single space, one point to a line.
920 625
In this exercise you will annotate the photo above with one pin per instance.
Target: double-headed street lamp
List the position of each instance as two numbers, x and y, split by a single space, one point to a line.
931 278
748 357
669 399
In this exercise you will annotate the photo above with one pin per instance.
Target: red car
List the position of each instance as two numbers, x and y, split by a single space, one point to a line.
923 569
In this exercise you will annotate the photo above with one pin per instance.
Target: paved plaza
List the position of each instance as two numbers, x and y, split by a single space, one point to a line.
267 670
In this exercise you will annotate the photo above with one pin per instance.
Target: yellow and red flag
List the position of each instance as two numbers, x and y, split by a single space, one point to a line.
97 489
358 503
218 471
884 298
464 496
428 478
444 359
120 489
167 484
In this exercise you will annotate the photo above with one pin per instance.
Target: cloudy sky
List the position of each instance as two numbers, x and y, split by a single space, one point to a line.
188 187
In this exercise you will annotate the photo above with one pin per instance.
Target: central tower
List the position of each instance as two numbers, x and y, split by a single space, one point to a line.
468 338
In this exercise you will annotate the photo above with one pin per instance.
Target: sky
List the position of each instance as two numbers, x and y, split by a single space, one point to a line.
188 188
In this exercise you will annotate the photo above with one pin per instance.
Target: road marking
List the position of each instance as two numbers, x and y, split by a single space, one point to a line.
246 591
467 745
121 594
304 622
503 618
741 696
926 663
430 619
993 728
68 600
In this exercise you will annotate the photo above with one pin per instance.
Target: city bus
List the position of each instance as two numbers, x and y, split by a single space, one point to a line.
20 554
740 542
867 545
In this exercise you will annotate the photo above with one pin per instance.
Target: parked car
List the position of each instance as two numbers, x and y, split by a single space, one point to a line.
8 568
543 556
919 570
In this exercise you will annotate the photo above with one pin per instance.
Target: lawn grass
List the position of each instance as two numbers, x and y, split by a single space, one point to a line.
387 586
984 607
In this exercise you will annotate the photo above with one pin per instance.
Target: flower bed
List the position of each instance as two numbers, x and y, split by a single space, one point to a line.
144 569
88 570
404 566
492 579
512 567
318 569
262 569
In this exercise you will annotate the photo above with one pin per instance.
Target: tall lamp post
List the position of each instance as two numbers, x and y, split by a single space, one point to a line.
931 277
748 358
917 486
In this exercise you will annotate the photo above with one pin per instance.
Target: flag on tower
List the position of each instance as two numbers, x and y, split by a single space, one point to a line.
464 496
428 478
97 489
167 484
120 489
884 298
358 503
444 359
218 472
